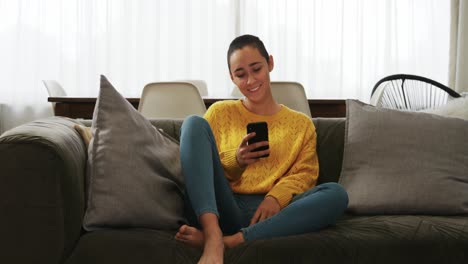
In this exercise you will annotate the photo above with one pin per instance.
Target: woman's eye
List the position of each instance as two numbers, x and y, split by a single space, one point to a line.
257 69
240 76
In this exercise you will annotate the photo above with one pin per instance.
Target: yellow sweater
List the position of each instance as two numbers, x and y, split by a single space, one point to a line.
292 166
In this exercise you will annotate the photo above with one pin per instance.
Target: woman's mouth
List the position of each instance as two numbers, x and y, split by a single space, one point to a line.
254 89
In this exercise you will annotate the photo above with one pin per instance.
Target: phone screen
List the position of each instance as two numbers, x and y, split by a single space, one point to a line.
261 134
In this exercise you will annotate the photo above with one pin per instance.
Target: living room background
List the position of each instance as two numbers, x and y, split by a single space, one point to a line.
336 49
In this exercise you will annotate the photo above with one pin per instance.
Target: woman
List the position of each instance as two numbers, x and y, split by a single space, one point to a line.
230 188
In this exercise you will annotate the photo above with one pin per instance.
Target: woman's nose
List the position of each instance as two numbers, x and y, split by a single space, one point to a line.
250 79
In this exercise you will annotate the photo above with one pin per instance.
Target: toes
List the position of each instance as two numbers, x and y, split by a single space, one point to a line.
188 230
183 228
183 237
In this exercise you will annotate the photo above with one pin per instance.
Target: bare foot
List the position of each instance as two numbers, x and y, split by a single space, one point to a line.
213 251
191 236
213 245
196 238
234 240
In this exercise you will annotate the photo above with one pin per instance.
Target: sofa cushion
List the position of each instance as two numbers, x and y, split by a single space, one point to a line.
134 176
330 141
398 162
355 240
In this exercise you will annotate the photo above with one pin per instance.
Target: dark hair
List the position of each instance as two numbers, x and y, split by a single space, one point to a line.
247 40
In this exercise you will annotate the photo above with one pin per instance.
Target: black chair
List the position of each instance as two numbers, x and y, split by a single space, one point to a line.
410 92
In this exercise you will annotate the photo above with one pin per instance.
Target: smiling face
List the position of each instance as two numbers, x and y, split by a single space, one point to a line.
250 71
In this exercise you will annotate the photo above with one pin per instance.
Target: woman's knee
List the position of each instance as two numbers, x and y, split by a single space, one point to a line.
340 196
193 124
194 121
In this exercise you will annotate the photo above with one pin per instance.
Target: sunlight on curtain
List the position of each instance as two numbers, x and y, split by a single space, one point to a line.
340 49
458 79
335 48
131 42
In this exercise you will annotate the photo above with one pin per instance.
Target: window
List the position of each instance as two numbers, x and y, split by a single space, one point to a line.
335 48
340 49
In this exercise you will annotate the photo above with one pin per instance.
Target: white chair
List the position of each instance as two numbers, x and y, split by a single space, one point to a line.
200 84
235 92
291 94
54 89
171 100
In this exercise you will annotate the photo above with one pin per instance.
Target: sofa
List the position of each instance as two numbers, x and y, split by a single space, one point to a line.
42 202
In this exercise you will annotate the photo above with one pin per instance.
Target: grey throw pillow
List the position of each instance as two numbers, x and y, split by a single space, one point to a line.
134 176
398 162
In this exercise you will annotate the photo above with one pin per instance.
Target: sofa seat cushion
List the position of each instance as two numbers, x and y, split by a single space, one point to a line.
369 240
132 246
362 239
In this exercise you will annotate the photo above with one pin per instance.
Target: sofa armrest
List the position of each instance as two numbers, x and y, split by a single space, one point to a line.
42 168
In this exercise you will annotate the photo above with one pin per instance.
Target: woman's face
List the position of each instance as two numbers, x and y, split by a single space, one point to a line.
251 73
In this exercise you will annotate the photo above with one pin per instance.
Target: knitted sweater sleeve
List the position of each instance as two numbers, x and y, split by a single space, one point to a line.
219 125
302 175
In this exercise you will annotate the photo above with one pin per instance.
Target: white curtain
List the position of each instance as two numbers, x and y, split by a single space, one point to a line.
459 46
341 48
336 48
131 42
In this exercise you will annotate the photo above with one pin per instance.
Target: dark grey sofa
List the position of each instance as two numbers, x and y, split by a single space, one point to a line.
42 203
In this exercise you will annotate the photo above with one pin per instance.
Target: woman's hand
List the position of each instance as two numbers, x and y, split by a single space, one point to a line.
245 154
268 208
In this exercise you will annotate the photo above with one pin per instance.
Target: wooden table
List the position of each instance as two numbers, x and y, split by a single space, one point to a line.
83 107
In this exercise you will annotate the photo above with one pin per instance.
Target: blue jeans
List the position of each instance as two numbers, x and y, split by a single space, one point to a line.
208 190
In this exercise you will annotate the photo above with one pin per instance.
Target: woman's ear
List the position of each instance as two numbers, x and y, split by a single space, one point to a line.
271 63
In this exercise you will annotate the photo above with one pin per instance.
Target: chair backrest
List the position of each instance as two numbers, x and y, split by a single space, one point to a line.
171 100
410 92
290 94
235 92
200 84
54 88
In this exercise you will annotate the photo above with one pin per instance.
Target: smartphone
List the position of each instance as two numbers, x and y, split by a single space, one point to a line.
261 134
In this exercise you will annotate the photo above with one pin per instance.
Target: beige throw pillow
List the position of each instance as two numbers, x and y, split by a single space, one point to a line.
85 133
